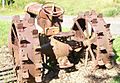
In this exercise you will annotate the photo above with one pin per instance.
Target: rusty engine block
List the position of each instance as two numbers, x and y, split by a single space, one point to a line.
37 40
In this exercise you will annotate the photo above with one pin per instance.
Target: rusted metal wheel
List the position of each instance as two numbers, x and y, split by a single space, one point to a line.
95 33
25 39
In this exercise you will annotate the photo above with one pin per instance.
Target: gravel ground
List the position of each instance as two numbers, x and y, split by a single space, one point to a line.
5 57
81 75
84 75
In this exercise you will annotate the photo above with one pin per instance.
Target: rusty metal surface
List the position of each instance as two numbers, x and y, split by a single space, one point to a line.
101 36
50 15
24 40
25 55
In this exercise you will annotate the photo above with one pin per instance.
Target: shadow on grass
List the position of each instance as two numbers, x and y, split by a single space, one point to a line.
104 79
107 78
96 79
116 79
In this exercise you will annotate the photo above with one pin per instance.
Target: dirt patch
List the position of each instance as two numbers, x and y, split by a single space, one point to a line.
84 75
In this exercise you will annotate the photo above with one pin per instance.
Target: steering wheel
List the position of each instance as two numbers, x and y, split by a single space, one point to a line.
49 9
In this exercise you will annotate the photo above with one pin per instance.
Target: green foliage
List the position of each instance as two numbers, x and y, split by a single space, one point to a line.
116 79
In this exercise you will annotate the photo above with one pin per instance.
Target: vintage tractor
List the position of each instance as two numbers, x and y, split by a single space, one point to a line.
37 41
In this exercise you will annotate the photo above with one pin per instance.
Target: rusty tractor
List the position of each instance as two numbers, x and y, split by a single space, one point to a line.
37 41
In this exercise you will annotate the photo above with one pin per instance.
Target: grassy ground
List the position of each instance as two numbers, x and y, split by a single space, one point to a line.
10 11
116 79
116 47
4 28
107 7
72 7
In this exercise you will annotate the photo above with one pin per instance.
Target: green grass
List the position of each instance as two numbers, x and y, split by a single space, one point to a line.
17 7
116 47
4 28
11 11
116 79
71 7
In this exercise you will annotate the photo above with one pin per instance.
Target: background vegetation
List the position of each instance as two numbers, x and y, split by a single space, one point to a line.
72 7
